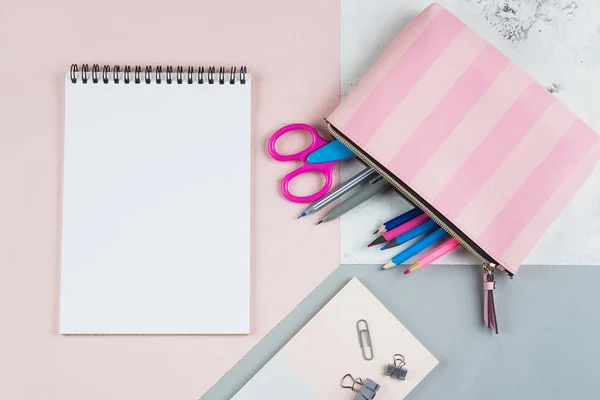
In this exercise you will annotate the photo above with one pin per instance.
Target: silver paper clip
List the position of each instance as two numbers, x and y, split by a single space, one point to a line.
367 336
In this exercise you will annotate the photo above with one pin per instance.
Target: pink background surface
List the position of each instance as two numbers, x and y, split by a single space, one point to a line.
292 50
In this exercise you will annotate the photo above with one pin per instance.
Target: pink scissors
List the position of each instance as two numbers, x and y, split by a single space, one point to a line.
325 168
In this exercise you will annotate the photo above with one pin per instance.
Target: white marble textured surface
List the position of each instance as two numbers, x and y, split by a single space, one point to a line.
556 41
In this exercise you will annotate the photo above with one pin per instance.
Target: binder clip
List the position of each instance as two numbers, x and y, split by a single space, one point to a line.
397 370
364 390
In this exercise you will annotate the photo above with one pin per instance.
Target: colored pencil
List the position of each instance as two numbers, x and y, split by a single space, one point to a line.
416 248
397 231
413 233
339 191
433 255
399 220
356 199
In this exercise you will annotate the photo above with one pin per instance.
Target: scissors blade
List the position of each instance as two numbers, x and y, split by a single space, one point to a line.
332 151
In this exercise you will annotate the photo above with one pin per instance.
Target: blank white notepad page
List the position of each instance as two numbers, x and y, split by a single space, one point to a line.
156 177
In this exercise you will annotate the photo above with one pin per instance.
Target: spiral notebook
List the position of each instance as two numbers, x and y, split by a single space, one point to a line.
157 171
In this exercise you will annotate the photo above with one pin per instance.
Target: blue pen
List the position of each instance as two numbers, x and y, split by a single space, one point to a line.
332 151
413 233
416 248
399 220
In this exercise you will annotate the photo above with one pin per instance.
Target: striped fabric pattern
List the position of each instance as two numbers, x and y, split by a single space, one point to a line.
470 132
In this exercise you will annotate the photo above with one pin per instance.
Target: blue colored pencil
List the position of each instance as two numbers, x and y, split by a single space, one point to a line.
416 248
413 233
399 220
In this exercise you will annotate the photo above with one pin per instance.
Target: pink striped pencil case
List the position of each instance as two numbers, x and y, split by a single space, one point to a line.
469 137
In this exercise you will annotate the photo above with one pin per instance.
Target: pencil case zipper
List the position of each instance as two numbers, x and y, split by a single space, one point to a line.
488 262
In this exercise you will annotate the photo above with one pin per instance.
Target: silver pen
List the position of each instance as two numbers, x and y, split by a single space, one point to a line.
356 199
339 191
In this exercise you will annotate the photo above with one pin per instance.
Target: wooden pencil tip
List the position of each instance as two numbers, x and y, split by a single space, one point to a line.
320 222
388 265
389 245
412 268
379 240
376 232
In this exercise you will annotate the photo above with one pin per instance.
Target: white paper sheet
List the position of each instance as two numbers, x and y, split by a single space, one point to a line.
312 363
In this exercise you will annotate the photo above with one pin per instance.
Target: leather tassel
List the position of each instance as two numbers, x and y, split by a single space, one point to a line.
489 309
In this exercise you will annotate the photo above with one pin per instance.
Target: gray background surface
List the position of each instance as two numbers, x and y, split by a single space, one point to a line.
548 346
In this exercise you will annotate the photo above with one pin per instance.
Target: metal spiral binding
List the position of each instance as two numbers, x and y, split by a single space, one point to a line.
102 75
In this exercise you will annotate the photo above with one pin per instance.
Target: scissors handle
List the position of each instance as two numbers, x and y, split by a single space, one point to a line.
316 142
325 168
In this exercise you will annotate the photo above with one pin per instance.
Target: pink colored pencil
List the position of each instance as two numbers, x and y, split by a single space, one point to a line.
405 227
433 255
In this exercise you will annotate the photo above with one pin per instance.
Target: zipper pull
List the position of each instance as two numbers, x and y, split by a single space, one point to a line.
489 310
